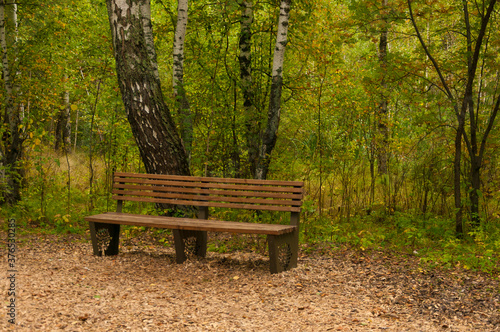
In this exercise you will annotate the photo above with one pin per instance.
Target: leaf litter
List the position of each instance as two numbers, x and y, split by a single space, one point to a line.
61 286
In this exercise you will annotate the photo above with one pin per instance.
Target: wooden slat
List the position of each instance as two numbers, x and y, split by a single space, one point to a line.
208 198
210 179
212 185
210 204
190 224
295 196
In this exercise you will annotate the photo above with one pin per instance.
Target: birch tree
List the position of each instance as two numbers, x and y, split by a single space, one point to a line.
11 152
273 116
184 111
136 65
251 114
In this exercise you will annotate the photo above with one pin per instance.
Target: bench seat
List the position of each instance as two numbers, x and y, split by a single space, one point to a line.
191 224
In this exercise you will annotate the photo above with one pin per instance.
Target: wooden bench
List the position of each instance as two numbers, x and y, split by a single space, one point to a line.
203 192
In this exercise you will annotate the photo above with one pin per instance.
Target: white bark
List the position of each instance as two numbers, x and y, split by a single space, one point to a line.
12 149
182 103
252 115
273 117
245 47
8 15
137 9
149 117
281 38
179 38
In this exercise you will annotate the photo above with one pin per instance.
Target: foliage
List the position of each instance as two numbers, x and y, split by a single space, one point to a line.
329 118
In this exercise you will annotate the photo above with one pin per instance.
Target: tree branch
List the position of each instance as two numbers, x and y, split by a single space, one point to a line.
434 62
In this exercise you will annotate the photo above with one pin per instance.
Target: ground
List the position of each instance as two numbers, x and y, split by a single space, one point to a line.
61 286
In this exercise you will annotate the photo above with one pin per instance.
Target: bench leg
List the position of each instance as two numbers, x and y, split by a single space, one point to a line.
283 251
182 240
105 238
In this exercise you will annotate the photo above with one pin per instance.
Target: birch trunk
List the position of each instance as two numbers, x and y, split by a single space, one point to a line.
182 103
273 117
152 125
11 152
251 115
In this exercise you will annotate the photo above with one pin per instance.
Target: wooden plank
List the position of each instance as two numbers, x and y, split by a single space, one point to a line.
210 198
190 224
210 179
211 204
295 196
211 185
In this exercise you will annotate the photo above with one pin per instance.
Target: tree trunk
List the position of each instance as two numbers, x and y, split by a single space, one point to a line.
475 181
152 125
235 151
63 124
273 117
11 152
383 131
475 152
252 117
459 228
182 103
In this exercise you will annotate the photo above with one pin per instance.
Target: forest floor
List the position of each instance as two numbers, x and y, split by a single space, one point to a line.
61 286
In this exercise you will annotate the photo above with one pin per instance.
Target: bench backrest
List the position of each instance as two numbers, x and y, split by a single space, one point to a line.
209 192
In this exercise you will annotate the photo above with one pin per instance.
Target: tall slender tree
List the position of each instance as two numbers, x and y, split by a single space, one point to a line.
463 106
12 138
182 102
476 145
150 120
251 115
383 105
273 116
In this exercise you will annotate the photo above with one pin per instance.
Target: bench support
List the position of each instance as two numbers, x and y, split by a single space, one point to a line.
182 240
105 238
283 251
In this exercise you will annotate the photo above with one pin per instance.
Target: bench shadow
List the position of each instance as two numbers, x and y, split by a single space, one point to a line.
213 260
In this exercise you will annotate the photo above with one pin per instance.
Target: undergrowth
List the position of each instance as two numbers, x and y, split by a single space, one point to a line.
51 205
430 238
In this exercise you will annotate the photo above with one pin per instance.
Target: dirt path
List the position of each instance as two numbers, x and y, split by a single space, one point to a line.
62 287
